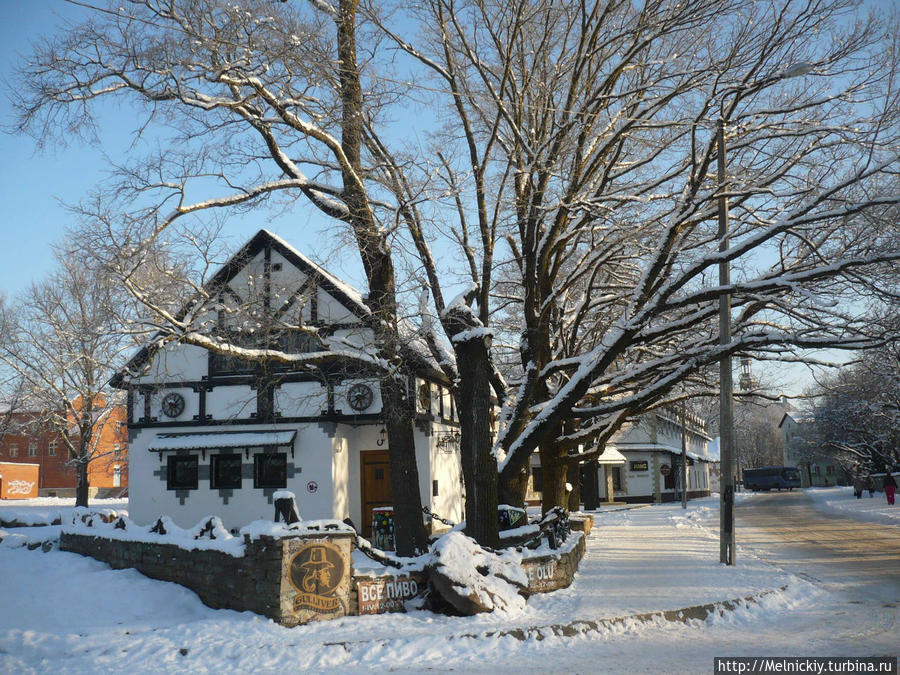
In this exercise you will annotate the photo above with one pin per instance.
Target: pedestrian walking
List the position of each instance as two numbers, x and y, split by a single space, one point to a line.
890 486
870 486
858 485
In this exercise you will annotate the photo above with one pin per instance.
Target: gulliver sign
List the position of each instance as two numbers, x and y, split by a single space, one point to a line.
316 579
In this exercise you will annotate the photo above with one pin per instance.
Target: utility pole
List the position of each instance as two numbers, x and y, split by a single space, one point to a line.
684 484
726 404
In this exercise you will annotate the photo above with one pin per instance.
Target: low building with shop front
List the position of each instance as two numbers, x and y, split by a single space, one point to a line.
642 463
218 435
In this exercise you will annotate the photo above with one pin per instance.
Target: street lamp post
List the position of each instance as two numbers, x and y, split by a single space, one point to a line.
726 404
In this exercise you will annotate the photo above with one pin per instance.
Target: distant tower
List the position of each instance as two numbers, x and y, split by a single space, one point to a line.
746 381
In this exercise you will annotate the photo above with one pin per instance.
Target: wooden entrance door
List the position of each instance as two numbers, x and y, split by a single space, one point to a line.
375 488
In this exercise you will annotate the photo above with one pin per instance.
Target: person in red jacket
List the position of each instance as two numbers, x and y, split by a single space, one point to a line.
890 486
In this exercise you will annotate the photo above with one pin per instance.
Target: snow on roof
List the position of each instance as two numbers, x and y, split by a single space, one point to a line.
611 456
657 447
231 439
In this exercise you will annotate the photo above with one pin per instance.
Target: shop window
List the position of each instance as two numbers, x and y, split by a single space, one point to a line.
225 471
182 472
270 470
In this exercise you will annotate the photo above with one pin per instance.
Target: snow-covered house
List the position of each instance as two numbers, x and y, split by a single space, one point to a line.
651 447
214 434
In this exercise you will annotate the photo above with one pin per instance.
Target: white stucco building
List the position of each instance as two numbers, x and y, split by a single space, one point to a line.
642 463
218 435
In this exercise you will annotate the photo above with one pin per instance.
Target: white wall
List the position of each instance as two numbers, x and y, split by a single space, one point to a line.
149 497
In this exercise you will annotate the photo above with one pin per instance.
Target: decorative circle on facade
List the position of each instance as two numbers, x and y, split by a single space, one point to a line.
360 396
173 404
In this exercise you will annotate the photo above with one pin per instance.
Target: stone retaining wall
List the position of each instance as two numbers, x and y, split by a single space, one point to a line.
268 579
553 571
255 582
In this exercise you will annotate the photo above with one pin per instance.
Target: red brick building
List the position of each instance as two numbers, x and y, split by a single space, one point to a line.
29 440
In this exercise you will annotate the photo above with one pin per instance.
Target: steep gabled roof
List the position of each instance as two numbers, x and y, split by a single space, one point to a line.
348 296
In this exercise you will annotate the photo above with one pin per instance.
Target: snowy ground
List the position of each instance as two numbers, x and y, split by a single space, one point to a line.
840 501
75 615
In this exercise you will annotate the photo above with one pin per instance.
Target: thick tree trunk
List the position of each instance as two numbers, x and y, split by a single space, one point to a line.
478 462
410 537
374 249
82 487
512 489
553 478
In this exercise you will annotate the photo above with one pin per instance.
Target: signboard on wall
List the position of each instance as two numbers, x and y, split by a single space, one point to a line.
638 466
316 578
385 594
541 574
18 481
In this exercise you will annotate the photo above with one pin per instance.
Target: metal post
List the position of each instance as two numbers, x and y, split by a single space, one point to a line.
684 484
726 404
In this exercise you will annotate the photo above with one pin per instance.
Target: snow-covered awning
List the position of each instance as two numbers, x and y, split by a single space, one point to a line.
611 456
227 439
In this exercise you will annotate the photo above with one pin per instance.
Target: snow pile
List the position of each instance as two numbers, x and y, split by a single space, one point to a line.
840 501
50 510
29 518
474 580
208 535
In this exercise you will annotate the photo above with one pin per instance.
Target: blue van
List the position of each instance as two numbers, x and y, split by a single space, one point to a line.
772 477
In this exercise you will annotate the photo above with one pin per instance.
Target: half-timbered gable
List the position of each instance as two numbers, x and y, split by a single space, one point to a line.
214 432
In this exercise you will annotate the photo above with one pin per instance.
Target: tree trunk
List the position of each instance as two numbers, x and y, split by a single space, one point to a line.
553 478
573 472
478 462
511 489
410 537
82 487
374 249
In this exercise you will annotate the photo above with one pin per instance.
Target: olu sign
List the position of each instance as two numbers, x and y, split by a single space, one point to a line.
318 579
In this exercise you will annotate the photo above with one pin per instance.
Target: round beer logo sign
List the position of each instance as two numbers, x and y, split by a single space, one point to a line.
665 469
316 571
312 487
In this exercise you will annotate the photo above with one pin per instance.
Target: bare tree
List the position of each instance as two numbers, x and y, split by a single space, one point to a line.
855 418
63 343
582 136
572 144
265 98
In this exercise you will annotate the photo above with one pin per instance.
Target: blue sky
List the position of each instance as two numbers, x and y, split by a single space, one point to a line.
36 184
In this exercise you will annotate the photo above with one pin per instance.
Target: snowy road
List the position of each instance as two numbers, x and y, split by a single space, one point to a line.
859 560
